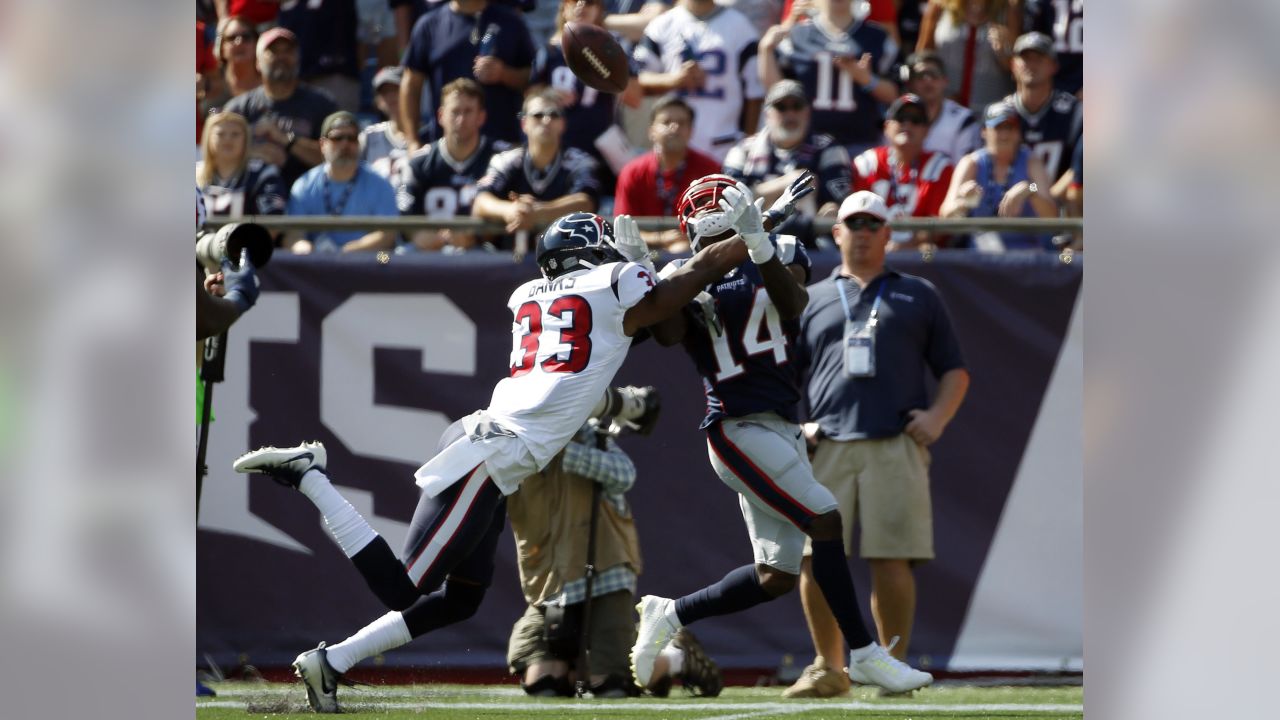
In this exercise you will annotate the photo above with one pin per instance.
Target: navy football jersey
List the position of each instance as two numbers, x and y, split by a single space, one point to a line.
256 191
841 108
443 46
1062 20
746 357
326 31
436 185
1053 132
571 172
756 159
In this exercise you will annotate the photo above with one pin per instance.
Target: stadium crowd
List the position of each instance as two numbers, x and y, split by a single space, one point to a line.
945 108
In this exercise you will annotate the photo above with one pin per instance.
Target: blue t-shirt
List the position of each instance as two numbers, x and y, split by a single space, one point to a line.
749 368
316 194
913 333
443 46
993 192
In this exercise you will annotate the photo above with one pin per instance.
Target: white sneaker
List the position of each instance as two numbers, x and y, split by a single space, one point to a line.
320 679
652 634
284 465
882 669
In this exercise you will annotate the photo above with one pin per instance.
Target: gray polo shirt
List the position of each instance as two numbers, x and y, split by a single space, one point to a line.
913 332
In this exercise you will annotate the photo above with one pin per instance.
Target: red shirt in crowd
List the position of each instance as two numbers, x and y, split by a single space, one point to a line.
642 193
206 65
920 188
255 11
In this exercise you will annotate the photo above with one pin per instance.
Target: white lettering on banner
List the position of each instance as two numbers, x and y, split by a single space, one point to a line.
428 322
224 500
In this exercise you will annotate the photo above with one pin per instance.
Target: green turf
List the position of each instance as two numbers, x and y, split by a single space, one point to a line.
240 700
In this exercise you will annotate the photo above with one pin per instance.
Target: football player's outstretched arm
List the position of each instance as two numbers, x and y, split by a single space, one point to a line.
670 295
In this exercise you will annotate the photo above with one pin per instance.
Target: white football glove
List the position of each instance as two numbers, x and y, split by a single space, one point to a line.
750 223
626 236
785 205
714 223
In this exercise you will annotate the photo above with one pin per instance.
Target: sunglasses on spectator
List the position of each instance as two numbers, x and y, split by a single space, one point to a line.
912 118
863 222
233 39
929 73
540 116
343 137
789 107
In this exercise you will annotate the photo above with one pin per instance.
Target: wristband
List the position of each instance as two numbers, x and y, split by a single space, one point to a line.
871 84
775 218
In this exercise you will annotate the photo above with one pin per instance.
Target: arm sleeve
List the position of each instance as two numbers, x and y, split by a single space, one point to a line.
631 283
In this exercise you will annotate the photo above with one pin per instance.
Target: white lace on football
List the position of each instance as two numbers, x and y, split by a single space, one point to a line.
595 62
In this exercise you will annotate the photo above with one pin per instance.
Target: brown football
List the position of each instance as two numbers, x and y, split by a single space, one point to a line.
595 57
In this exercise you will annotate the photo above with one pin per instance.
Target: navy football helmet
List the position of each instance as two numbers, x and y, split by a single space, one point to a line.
577 241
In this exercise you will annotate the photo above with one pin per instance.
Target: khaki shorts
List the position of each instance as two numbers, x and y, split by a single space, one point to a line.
884 485
613 632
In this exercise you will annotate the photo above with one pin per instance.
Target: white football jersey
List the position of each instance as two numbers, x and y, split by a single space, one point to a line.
567 344
724 44
384 152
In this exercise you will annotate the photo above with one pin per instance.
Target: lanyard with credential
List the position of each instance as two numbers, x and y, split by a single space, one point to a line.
875 307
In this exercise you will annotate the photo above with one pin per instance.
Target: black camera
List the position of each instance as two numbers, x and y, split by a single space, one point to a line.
227 242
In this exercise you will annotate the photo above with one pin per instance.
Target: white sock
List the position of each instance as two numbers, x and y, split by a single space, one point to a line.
862 653
675 658
672 618
347 526
385 633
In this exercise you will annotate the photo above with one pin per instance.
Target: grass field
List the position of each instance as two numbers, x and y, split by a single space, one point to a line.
418 702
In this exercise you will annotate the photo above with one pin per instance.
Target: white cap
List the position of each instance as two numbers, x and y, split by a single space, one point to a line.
863 202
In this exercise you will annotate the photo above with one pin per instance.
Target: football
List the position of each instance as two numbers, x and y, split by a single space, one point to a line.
595 57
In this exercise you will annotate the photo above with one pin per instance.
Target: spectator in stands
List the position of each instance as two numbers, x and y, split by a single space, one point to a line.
326 33
407 13
341 186
975 39
763 14
910 180
208 81
882 12
548 514
232 182
1052 122
285 115
843 61
382 145
629 18
235 50
440 179
769 161
1003 178
1064 22
532 185
589 113
467 38
953 128
652 184
376 35
708 52
262 13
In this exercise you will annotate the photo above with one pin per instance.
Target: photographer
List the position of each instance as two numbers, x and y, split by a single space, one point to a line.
225 290
551 520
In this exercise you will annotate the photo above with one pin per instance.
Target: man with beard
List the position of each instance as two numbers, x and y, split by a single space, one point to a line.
285 114
341 186
769 161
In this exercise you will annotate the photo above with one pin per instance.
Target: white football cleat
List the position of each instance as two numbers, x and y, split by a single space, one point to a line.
882 669
284 465
652 634
320 679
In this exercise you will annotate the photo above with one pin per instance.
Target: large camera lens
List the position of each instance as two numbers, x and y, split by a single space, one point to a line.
229 240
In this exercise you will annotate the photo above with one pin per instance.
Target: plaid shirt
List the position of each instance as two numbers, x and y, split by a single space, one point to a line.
616 474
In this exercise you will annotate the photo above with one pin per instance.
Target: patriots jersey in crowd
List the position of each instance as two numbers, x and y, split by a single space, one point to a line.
326 31
567 343
724 44
256 191
436 185
444 45
1062 20
572 171
1052 133
841 107
756 159
915 191
384 152
739 343
418 7
955 132
591 112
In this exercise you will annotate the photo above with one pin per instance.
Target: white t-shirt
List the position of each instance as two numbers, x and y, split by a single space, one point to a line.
955 132
567 344
724 44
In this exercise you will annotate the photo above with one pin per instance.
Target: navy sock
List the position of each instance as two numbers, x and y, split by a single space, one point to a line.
831 572
736 591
